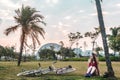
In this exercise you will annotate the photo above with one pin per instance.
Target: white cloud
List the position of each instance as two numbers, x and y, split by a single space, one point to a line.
75 21
5 14
63 25
52 2
54 26
67 17
60 24
104 13
7 8
81 11
65 32
115 13
25 0
55 1
118 4
62 28
93 14
8 4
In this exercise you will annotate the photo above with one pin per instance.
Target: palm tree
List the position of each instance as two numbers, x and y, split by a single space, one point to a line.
27 19
103 33
113 39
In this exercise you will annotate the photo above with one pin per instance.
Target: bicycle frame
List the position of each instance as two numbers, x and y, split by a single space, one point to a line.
63 70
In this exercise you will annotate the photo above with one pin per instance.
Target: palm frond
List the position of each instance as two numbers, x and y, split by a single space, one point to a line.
37 16
35 35
26 44
17 19
26 13
115 31
38 29
11 29
18 12
33 41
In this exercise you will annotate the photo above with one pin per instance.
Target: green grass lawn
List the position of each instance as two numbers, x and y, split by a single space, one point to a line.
8 70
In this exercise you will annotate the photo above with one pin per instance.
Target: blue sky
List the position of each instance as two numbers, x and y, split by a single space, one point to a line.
62 17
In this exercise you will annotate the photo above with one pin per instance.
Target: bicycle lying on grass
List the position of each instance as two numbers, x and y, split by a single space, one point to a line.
51 68
63 70
35 72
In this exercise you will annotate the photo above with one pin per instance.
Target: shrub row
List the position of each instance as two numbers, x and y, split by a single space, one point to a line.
112 58
76 59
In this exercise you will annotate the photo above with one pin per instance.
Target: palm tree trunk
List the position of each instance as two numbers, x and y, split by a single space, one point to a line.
21 48
103 33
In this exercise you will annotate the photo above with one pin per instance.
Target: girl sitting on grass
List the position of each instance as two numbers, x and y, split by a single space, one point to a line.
92 66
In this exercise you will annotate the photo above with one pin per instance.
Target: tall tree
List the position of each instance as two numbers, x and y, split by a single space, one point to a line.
67 52
93 35
47 54
74 37
61 48
52 47
97 49
114 39
1 51
27 19
61 43
103 33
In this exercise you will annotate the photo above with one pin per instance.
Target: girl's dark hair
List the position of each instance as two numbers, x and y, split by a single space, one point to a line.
94 57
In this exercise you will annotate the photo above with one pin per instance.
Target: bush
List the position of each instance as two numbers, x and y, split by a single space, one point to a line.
76 59
115 58
101 58
112 58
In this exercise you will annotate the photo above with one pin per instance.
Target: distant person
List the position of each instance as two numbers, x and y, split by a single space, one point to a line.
93 69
